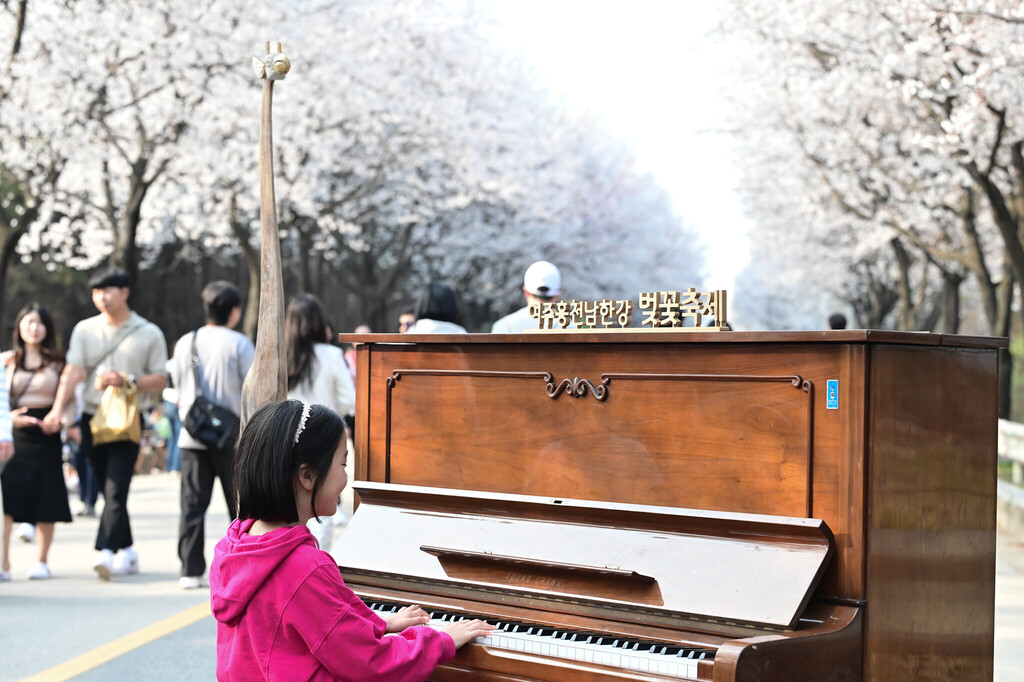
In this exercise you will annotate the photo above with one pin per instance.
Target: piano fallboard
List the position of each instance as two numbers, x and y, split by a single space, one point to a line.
641 563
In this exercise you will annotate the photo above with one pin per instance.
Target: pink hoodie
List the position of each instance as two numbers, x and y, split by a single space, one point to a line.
284 613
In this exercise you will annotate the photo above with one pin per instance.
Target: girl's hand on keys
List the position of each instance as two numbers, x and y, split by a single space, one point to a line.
465 631
405 617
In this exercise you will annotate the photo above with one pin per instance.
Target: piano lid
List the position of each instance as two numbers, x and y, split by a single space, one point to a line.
627 560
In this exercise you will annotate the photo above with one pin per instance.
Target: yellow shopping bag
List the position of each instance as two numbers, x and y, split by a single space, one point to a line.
117 418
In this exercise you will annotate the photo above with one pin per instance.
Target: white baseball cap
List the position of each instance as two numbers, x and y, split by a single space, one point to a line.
543 279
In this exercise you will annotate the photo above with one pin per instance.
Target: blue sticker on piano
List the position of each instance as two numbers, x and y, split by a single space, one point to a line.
832 394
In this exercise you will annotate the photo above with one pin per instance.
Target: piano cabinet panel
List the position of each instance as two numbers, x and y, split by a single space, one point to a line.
722 430
930 572
830 652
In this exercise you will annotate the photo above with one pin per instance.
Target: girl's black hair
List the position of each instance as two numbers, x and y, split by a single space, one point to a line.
268 458
49 345
305 326
437 302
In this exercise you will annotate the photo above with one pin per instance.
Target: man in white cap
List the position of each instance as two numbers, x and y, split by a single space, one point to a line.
541 284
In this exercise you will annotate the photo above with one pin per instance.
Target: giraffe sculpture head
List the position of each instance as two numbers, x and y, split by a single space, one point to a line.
274 65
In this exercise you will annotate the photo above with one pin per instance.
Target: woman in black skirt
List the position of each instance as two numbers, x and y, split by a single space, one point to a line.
33 480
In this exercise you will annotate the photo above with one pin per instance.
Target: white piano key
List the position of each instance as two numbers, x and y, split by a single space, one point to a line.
604 654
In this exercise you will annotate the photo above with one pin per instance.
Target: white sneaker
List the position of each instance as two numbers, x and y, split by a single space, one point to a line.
104 565
190 582
126 562
39 571
26 531
5 577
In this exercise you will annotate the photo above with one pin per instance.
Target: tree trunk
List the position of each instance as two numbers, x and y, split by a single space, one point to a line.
949 317
906 313
9 243
19 29
1006 295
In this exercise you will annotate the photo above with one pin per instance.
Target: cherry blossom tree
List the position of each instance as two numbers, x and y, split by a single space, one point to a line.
406 149
31 135
418 153
895 125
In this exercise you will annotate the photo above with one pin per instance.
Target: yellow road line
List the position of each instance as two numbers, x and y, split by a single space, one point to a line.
122 645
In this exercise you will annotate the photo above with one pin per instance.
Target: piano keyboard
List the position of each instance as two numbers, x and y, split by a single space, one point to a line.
661 658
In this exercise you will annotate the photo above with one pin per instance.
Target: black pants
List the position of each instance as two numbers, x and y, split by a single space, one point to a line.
199 468
114 465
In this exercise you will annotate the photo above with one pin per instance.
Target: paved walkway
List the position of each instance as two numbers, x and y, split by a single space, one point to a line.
145 627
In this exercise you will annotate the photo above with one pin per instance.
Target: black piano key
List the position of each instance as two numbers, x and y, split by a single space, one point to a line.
596 638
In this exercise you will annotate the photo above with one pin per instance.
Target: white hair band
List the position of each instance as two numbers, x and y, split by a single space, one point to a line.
302 423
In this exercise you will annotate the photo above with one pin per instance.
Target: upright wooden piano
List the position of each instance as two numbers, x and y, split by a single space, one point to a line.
684 505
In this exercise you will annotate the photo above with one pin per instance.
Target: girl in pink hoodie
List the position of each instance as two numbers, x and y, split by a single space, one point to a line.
282 609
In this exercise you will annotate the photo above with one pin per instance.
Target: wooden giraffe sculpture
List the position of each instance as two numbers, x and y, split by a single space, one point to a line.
267 380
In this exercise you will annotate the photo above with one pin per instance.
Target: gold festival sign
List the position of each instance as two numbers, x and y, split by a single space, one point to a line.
662 311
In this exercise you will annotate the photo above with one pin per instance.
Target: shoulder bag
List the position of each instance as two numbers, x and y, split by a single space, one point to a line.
209 423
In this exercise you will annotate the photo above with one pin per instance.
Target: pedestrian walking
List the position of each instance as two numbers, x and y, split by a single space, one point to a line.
33 481
210 362
119 348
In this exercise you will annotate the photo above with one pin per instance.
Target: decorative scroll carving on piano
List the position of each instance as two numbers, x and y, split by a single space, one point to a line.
578 388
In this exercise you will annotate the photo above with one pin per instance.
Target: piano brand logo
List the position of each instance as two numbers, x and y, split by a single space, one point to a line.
526 579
